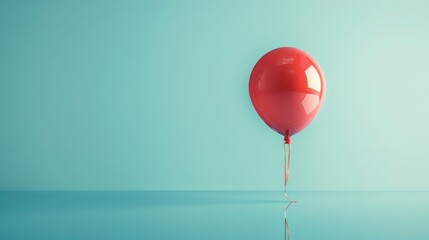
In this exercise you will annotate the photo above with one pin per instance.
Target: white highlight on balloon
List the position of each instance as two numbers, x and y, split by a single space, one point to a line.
313 78
310 103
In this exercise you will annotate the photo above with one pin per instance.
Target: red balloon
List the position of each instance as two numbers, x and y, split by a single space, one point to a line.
287 88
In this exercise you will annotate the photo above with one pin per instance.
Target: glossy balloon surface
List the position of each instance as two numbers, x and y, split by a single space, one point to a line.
287 89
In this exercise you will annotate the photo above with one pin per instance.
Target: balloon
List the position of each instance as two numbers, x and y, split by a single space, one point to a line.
287 89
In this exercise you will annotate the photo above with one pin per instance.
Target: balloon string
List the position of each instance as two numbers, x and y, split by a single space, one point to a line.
287 167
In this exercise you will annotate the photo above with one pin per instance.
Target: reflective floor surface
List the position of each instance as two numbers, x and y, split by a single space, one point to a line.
214 215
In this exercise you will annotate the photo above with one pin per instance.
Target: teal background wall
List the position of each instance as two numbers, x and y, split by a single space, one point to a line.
143 95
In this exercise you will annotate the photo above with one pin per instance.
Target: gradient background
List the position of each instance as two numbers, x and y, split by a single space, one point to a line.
146 95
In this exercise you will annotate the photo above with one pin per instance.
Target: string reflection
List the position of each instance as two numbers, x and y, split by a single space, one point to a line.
287 229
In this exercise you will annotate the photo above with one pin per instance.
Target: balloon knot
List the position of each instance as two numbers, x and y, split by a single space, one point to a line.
288 138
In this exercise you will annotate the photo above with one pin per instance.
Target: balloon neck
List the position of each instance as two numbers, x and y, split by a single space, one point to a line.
288 137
